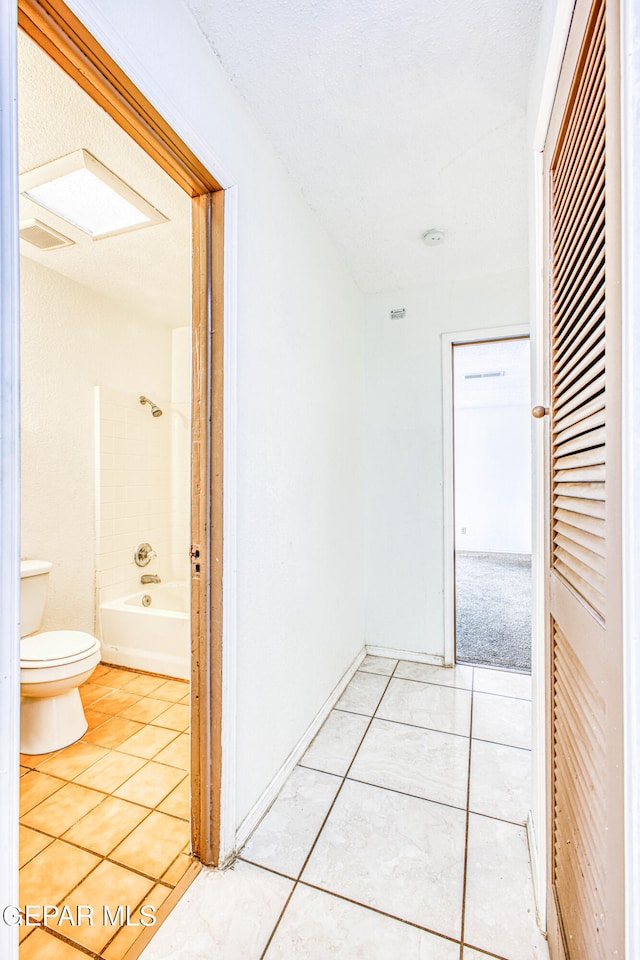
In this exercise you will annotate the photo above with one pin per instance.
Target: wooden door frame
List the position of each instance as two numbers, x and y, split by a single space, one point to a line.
53 26
449 341
538 821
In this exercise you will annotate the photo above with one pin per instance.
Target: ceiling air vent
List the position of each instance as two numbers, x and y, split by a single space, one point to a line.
42 236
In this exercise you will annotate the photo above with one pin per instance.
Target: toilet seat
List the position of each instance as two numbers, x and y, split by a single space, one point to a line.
55 648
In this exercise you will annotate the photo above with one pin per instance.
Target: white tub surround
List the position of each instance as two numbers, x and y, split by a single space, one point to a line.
149 630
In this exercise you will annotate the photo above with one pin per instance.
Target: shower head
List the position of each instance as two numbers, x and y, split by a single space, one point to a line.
155 410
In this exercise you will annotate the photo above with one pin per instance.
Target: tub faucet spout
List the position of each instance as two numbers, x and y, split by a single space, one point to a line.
150 578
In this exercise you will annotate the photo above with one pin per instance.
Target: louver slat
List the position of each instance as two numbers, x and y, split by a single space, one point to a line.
582 399
594 525
580 191
570 547
592 222
578 418
584 261
596 419
592 541
573 135
582 330
596 472
595 438
585 491
584 459
589 508
578 747
564 392
582 294
581 361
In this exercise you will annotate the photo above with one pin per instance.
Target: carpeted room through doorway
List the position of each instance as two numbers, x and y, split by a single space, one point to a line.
493 609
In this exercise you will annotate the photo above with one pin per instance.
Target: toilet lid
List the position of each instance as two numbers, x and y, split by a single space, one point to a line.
55 645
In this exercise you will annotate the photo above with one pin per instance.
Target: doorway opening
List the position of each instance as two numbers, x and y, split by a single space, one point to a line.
492 502
166 412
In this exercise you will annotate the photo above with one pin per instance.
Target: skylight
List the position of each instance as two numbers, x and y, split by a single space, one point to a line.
82 191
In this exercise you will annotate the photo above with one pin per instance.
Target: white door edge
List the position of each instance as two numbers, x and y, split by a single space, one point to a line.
9 478
630 131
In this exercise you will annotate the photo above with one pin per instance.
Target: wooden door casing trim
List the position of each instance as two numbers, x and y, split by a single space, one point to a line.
206 524
56 29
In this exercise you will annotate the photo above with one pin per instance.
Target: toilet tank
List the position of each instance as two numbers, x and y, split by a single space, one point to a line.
34 584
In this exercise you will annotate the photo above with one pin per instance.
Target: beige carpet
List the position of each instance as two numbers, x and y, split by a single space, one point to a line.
493 609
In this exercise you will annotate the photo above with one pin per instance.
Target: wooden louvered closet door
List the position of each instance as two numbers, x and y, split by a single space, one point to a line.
584 666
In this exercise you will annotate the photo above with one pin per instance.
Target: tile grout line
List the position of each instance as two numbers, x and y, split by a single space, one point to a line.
417 726
138 905
356 903
404 723
466 831
486 953
107 856
80 947
103 792
102 858
381 913
415 796
89 950
492 956
455 686
328 813
305 883
503 696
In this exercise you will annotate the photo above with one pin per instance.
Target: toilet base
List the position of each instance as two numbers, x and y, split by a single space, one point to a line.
51 723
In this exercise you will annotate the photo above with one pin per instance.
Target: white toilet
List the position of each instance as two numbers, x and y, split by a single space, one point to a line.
52 667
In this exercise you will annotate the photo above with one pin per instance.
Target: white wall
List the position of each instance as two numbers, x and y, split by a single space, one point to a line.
300 389
71 340
492 446
404 448
492 479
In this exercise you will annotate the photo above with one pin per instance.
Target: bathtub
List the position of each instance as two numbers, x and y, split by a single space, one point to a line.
154 637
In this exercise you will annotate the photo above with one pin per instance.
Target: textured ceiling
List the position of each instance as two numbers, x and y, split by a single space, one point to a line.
147 272
393 116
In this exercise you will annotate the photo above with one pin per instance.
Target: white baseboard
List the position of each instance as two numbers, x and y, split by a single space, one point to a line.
430 658
261 806
533 857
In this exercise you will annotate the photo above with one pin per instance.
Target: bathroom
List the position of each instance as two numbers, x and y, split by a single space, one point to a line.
106 433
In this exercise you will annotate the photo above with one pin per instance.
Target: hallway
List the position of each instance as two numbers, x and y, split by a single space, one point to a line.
399 836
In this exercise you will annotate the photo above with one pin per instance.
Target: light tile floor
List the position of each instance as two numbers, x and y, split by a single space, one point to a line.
399 836
106 820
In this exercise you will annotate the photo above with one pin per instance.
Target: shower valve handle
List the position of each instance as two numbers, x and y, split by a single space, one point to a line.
144 554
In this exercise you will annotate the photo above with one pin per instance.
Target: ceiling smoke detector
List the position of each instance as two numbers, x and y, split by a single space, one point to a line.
433 238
